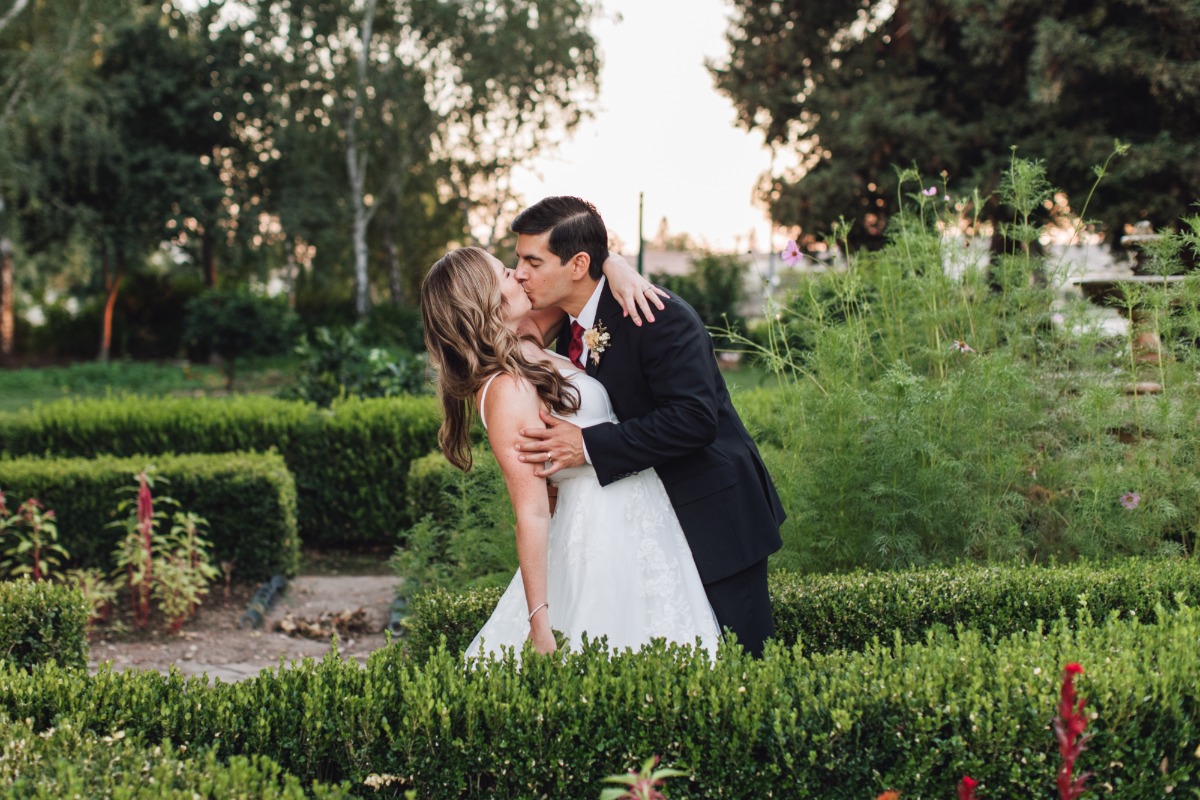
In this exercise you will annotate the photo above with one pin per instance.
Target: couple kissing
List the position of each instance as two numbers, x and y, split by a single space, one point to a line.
643 507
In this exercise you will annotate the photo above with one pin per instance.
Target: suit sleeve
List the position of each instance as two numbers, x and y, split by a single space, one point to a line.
673 354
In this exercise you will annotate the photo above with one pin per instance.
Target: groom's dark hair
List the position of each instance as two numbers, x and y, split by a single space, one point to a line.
575 227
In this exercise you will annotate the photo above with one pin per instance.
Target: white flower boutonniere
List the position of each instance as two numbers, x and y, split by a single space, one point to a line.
596 339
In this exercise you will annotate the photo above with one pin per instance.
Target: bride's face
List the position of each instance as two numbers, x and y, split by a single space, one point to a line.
516 302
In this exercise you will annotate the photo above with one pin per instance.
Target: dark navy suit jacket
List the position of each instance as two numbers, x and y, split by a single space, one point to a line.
676 416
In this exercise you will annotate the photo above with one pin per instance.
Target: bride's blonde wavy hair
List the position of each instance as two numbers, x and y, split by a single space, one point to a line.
468 342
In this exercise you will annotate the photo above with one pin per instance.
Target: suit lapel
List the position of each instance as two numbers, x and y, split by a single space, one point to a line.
608 312
563 338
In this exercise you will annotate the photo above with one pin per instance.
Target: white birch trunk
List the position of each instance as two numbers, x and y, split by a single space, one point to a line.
356 166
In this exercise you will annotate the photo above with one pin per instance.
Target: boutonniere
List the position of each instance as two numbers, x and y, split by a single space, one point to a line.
596 338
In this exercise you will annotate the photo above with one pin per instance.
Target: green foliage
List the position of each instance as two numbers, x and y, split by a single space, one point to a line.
715 287
335 364
249 500
827 613
466 531
916 716
850 89
443 616
235 324
174 567
29 541
40 622
931 408
350 462
69 761
24 387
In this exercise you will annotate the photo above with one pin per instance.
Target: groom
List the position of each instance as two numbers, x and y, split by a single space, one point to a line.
674 411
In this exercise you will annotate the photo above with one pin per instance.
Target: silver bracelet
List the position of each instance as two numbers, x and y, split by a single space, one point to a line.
539 608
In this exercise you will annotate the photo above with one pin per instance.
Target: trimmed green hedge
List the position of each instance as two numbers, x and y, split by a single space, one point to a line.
832 612
842 725
66 762
42 621
249 500
350 462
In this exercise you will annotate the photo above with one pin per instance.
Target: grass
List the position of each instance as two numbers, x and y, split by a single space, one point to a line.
25 387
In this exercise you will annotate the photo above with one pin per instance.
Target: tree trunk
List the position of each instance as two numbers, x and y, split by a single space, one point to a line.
208 258
356 165
112 283
293 275
395 278
6 301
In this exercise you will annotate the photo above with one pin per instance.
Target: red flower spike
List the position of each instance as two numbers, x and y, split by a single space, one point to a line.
966 788
1069 726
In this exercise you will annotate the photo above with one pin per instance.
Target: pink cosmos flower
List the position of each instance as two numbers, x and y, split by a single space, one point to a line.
930 192
791 254
961 347
1131 500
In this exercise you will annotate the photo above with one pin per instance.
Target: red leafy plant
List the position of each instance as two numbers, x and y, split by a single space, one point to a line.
29 541
173 568
1069 726
640 785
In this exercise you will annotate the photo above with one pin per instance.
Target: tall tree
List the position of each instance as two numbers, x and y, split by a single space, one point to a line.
122 150
399 83
851 90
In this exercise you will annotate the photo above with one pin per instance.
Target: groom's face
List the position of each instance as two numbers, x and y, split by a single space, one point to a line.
543 275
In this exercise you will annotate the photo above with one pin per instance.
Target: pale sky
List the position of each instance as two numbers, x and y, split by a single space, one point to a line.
661 129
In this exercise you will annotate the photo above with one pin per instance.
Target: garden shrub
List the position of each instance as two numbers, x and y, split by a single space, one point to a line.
455 616
42 621
249 500
336 364
827 613
350 462
848 611
912 717
235 323
69 762
466 533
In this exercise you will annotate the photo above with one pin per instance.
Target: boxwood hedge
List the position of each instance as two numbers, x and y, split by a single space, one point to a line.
830 612
67 762
350 462
910 717
40 622
249 500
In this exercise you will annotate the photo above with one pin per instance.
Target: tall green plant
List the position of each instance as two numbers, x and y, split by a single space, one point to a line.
174 568
29 541
937 404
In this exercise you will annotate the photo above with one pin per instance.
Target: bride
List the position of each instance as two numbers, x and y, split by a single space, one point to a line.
606 561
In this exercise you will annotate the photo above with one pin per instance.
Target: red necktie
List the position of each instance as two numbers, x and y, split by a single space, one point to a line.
575 348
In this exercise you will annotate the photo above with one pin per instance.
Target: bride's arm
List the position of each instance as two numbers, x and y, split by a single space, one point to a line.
632 290
510 405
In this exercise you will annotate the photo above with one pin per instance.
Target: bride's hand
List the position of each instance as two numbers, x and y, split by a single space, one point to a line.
632 290
543 639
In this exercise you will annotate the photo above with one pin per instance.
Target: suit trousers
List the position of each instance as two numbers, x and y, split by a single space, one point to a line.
743 605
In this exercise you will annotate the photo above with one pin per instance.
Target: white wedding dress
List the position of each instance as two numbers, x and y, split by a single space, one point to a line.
619 565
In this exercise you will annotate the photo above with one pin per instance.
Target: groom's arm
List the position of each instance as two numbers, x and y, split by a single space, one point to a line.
675 359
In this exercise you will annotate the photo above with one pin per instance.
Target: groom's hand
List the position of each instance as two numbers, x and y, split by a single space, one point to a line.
557 446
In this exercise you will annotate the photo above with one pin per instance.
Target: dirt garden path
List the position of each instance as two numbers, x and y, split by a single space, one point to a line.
212 644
